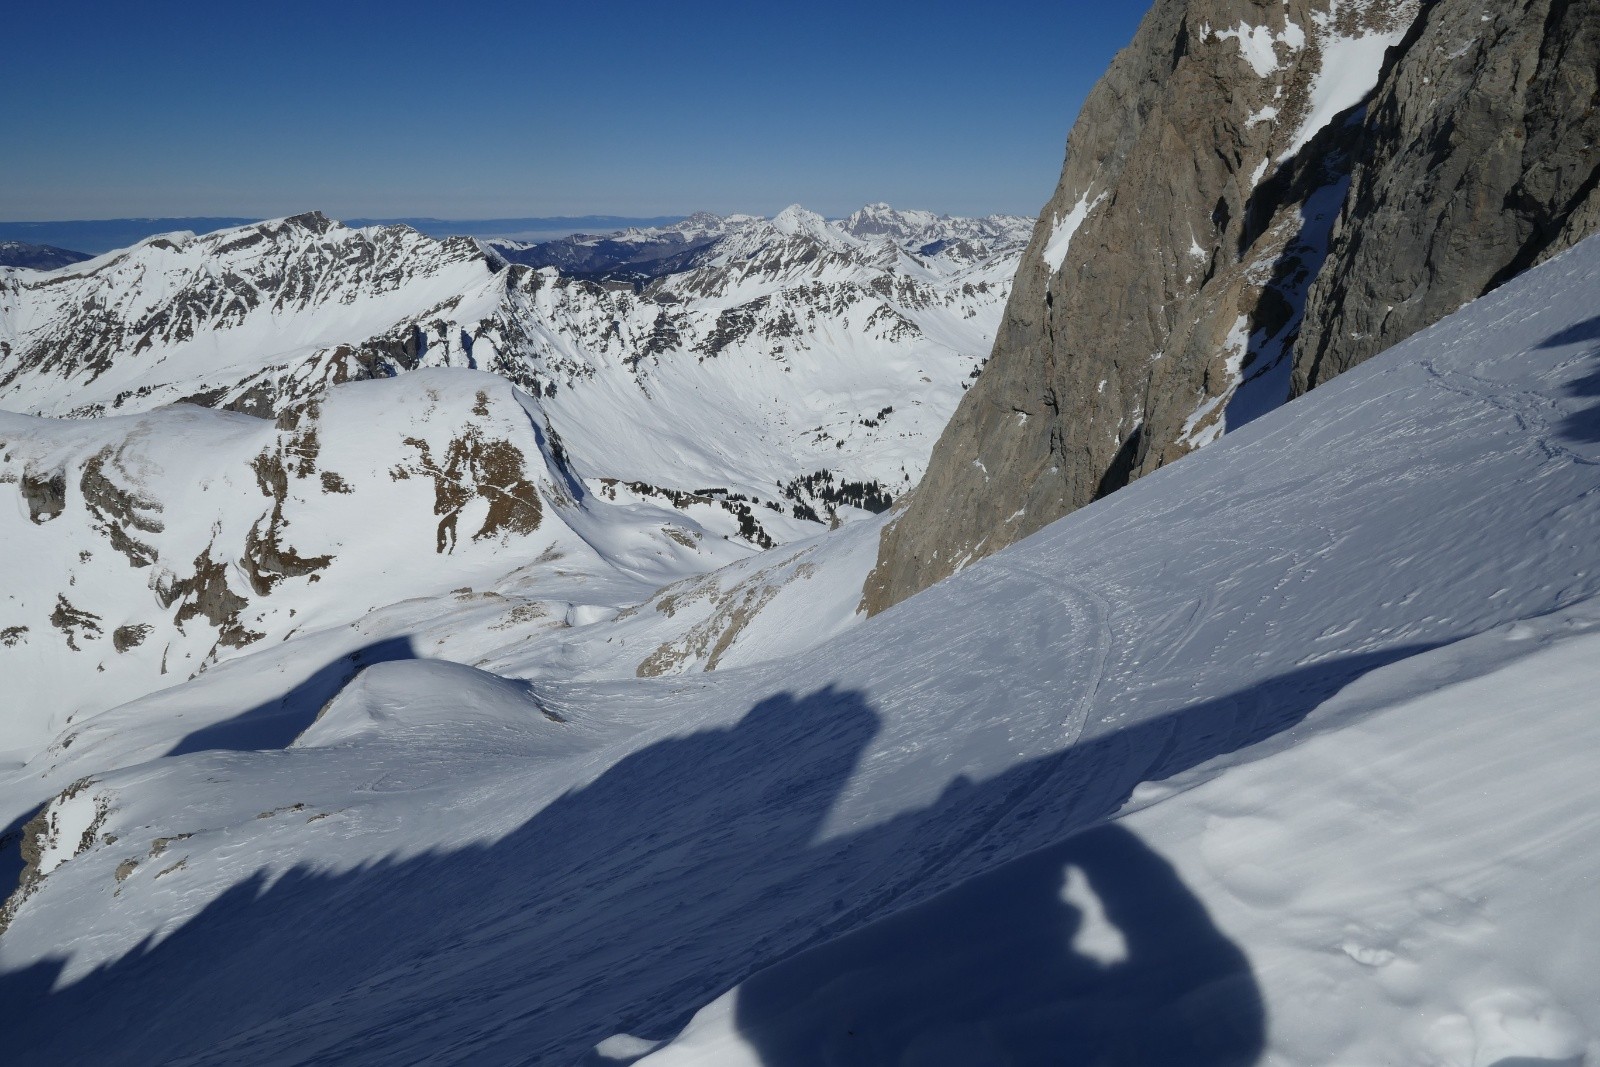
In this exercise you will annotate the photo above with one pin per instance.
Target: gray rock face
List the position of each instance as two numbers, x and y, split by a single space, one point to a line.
1480 159
1202 257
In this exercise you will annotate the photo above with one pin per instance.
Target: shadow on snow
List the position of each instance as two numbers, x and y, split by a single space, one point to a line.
1582 426
276 723
688 866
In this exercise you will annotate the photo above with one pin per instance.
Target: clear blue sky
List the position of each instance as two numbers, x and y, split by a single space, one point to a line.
477 110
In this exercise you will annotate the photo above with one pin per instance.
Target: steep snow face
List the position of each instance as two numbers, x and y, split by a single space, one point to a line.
1264 653
784 362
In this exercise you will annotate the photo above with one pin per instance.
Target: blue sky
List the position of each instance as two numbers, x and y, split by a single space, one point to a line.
477 110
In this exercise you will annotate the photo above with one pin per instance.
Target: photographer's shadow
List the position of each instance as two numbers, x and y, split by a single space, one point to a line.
1091 952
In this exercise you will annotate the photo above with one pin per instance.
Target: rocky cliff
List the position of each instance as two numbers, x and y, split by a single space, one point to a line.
1479 159
1256 196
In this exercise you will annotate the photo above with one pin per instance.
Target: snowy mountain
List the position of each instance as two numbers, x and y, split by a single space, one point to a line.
1279 755
635 253
642 254
800 368
793 381
37 257
454 651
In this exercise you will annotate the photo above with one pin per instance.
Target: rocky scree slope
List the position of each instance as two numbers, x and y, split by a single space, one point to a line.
1256 196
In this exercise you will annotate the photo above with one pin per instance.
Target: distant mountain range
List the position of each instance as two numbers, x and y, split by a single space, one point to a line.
37 257
644 253
95 236
789 378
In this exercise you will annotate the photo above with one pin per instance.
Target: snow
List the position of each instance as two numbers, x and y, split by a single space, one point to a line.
1258 44
1281 754
1349 73
70 818
796 221
1403 877
1266 114
1063 230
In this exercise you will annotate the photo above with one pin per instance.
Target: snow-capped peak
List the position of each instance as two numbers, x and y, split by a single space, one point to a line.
794 220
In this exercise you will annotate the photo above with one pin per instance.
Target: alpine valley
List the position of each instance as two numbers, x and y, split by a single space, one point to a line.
1165 632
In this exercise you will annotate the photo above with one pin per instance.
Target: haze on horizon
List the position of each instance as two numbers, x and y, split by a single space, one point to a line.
540 109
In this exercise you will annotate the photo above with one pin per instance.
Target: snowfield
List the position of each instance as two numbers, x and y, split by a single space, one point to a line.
1281 755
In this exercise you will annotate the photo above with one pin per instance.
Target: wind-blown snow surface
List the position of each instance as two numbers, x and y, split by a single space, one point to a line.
1339 668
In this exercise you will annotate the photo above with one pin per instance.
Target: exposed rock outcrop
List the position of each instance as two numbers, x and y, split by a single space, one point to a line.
1256 196
1480 159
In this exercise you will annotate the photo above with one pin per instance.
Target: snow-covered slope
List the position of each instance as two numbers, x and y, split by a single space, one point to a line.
1319 658
1408 880
676 435
141 549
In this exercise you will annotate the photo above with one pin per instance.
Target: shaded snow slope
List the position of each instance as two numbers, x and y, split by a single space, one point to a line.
458 864
1410 885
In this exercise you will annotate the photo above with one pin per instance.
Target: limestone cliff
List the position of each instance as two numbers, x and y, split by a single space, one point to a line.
1257 195
1480 159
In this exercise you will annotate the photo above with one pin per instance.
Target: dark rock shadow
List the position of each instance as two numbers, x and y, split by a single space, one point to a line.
682 870
1581 426
277 722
